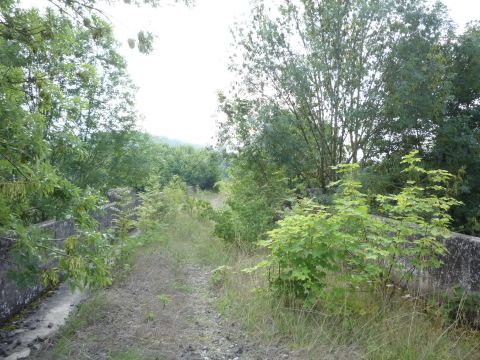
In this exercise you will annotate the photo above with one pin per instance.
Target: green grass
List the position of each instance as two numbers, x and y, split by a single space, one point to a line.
141 242
183 288
396 329
131 354
149 317
190 240
89 313
216 199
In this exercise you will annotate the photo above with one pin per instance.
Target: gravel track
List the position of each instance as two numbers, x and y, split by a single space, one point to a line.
164 310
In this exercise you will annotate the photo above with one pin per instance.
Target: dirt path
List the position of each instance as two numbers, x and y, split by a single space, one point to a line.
165 309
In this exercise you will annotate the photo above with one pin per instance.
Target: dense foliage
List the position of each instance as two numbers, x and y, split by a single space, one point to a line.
352 131
342 111
253 202
320 83
197 167
56 74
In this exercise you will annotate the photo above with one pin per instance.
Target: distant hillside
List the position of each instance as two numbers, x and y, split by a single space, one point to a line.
174 142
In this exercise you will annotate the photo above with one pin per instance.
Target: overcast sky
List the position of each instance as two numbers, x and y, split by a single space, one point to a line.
178 82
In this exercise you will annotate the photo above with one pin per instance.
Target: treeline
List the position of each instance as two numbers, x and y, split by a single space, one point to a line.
131 158
321 83
68 134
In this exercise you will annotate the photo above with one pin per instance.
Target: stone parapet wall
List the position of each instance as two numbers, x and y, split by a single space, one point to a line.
461 267
14 298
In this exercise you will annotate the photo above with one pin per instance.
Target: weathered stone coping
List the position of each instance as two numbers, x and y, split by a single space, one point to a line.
461 266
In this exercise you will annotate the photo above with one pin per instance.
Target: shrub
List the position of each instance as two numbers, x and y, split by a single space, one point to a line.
123 222
204 209
253 203
346 241
420 214
463 308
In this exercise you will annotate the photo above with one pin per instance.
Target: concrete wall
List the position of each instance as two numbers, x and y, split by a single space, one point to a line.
14 298
461 266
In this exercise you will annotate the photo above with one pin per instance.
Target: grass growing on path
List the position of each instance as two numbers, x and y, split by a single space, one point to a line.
159 306
77 339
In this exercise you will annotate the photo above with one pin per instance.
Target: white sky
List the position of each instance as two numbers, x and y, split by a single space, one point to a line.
178 82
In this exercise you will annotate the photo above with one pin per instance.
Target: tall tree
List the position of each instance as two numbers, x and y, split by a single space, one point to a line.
416 81
324 62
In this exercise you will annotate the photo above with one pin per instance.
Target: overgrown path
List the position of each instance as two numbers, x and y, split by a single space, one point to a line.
173 299
163 307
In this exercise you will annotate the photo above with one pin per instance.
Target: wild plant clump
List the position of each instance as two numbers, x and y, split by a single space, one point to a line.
161 203
252 204
344 241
